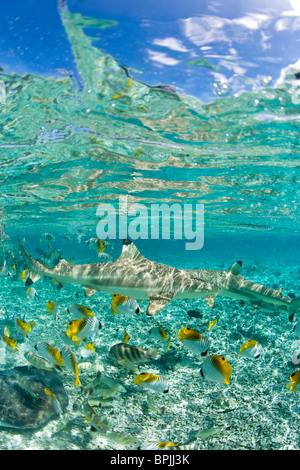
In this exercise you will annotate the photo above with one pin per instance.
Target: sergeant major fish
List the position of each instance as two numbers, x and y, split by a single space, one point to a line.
129 356
92 417
122 438
39 362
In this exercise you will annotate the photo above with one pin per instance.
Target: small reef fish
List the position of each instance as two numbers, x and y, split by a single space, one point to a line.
55 401
38 361
87 350
24 275
80 311
47 238
31 293
23 327
122 333
194 313
152 405
100 401
194 341
69 338
126 337
129 356
122 438
52 309
160 334
56 254
217 369
92 417
50 353
6 329
102 393
111 383
24 383
212 323
123 304
112 388
71 363
5 271
11 343
208 432
152 382
295 379
84 327
90 366
251 349
96 244
157 445
297 329
94 383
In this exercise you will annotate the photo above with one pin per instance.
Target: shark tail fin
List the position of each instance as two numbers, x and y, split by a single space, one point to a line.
33 266
293 306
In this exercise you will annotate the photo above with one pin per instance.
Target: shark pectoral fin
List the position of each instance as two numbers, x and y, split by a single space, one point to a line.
236 268
210 300
88 292
158 302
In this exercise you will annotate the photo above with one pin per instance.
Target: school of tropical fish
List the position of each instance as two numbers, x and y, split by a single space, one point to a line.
76 357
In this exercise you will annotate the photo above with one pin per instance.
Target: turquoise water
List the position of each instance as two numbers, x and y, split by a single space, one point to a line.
68 146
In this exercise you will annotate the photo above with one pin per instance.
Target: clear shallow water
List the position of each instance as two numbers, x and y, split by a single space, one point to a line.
66 147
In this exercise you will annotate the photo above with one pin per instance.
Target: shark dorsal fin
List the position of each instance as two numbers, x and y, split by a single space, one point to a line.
130 251
236 268
62 265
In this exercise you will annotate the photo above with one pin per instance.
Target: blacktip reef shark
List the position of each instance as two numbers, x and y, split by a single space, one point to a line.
135 276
